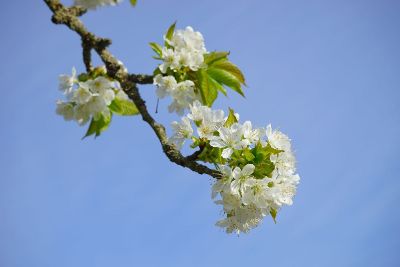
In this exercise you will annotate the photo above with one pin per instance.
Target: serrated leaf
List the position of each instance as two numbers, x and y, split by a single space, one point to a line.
231 68
170 33
231 118
133 2
208 92
217 85
273 213
98 126
156 48
226 78
124 107
215 56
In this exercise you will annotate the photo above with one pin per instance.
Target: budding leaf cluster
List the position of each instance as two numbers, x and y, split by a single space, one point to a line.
185 58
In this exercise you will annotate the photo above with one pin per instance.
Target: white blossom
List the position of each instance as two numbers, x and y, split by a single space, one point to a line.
229 139
182 130
223 184
241 219
240 176
165 85
277 139
182 93
65 109
86 100
186 49
212 122
82 95
169 58
197 111
81 114
66 82
251 136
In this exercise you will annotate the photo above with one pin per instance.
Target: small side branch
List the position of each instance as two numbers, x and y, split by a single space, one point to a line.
87 55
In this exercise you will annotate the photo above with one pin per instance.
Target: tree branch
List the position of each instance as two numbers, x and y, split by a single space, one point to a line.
69 17
141 78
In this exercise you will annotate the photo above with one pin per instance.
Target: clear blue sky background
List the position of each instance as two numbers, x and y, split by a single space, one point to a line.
325 72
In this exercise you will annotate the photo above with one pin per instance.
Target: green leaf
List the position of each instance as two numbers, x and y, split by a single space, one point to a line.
215 56
133 2
83 77
217 85
196 142
248 155
208 92
262 162
270 150
124 107
226 78
231 68
211 155
170 33
231 118
264 169
273 213
156 48
98 126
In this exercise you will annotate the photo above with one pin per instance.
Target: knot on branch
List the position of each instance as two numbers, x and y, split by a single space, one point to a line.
77 11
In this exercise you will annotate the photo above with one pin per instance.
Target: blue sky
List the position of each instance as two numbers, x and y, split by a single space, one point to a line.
327 73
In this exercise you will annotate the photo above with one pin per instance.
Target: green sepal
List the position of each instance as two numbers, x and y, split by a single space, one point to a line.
196 142
124 107
156 48
83 77
133 2
273 213
98 71
98 126
231 118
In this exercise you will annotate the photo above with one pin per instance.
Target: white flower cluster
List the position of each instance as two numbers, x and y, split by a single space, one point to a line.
184 52
186 49
86 99
93 4
246 199
182 93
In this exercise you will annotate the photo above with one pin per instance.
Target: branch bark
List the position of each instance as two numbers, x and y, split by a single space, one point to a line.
69 17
